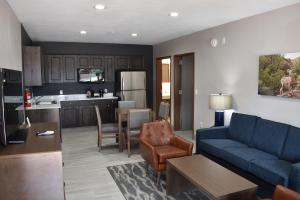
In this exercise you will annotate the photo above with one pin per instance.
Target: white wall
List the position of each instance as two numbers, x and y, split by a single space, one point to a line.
233 67
10 38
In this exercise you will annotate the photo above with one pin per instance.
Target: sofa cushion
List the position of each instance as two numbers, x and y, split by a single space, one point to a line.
272 171
216 146
165 152
291 149
241 157
269 136
241 127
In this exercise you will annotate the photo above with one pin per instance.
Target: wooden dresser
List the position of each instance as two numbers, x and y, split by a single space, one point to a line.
33 170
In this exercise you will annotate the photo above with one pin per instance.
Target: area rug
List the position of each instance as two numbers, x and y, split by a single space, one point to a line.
137 183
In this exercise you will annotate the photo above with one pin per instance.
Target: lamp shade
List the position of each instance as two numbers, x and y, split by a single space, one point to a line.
220 101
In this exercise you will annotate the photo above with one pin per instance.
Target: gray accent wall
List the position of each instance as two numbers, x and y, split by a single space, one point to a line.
233 67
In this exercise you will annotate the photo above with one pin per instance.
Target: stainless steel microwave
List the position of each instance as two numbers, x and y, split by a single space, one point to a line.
91 75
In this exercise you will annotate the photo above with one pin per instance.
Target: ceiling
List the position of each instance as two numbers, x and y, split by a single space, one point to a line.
62 20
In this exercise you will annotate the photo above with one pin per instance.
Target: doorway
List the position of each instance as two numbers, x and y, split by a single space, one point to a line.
184 92
163 81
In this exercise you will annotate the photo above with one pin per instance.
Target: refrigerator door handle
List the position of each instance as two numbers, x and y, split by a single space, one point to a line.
122 83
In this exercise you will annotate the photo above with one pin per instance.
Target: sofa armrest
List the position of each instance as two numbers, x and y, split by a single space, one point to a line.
295 177
148 153
212 133
182 143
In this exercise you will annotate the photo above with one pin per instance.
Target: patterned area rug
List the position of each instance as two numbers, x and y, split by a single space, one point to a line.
137 183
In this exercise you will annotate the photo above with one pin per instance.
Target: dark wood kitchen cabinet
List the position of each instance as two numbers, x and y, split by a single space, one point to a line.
70 68
33 66
91 61
97 62
122 62
69 115
55 68
87 115
82 113
136 62
83 61
109 68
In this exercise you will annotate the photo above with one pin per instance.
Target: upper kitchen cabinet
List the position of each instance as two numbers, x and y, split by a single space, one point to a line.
137 62
83 61
109 68
55 68
69 68
10 38
122 62
33 66
97 62
86 61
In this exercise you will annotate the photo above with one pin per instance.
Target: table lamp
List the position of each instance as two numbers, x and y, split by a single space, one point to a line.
219 103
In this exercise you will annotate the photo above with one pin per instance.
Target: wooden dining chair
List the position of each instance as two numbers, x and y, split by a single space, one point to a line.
135 119
126 104
108 130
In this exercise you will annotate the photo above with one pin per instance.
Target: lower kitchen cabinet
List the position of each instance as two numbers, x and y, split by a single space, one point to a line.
82 113
87 116
69 116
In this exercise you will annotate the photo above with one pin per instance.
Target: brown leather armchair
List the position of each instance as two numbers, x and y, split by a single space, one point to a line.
159 143
283 193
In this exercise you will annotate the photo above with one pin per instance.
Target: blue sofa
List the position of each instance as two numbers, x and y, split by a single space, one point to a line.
265 149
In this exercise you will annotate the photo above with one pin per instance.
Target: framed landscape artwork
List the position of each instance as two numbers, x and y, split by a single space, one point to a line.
279 75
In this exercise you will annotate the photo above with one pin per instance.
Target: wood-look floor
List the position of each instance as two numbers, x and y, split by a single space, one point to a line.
85 173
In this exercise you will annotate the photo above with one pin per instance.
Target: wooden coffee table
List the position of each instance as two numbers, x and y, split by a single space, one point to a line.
215 181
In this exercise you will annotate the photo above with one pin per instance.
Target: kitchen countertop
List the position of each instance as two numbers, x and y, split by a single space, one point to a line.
60 98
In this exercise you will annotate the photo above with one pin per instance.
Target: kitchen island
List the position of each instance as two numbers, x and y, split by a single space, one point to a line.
71 110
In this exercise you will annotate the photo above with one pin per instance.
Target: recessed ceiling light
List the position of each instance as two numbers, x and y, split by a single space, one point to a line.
134 34
99 6
174 14
83 32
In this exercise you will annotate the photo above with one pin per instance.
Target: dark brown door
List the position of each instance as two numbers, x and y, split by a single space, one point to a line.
177 92
70 68
55 69
109 68
122 62
184 91
158 84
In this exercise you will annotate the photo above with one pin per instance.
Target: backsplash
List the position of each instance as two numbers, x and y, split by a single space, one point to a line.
70 88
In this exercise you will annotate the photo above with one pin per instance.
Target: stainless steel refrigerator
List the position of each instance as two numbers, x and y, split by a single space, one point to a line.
131 86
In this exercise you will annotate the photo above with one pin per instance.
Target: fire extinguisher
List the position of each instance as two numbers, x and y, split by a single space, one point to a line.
27 98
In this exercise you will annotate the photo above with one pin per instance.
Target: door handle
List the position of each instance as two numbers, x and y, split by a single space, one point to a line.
180 92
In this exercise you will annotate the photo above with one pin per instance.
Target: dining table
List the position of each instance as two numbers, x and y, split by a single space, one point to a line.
122 114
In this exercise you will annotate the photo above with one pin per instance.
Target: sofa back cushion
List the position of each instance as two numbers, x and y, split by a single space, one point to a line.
269 136
291 149
241 127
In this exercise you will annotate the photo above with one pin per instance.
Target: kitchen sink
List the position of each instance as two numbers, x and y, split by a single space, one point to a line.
46 102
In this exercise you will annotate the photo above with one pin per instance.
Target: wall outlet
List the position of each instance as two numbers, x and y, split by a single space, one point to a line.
61 92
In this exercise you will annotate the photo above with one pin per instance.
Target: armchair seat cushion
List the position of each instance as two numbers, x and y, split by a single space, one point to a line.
241 157
275 172
216 146
165 152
